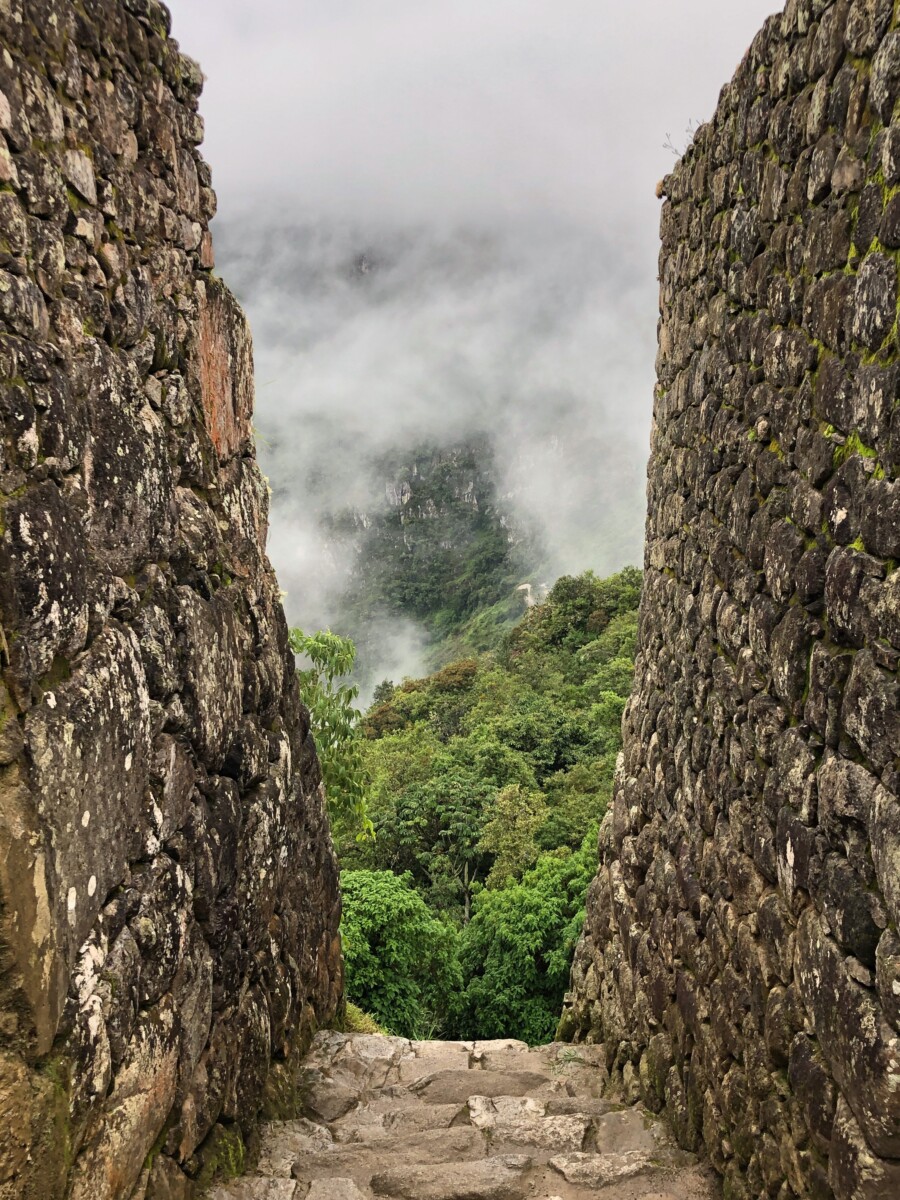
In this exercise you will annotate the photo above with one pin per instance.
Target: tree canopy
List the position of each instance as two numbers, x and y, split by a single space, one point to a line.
484 785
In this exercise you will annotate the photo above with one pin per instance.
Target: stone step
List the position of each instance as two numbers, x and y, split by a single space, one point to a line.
390 1119
523 1121
598 1170
282 1142
250 1187
500 1178
386 1118
455 1087
333 1189
361 1160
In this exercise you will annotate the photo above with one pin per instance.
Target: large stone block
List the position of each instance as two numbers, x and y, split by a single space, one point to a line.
89 743
135 1111
211 651
45 584
855 1173
224 366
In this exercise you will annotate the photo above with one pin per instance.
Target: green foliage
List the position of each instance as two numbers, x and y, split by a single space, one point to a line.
335 724
428 811
516 952
575 798
578 609
617 641
401 960
383 693
510 832
485 779
357 1021
484 630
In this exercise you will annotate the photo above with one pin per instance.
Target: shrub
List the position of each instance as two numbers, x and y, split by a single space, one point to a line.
401 961
517 949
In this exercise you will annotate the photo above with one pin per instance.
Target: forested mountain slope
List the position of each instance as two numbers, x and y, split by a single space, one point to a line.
487 782
440 546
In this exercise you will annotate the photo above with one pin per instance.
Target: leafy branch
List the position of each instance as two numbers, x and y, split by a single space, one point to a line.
335 725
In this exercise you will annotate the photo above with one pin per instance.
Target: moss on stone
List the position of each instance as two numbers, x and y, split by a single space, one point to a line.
567 1027
54 1140
223 1155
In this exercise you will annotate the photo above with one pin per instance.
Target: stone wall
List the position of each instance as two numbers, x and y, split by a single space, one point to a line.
168 893
741 958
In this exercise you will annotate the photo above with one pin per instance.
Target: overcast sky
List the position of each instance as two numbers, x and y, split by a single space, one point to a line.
459 107
498 160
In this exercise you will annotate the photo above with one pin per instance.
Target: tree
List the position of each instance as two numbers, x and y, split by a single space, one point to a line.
510 831
440 823
384 692
516 952
335 724
401 961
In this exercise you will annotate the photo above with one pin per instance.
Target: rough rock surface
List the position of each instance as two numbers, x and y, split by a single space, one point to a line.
527 1123
740 958
168 894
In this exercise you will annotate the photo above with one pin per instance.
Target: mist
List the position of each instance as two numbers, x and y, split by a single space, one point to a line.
373 338
441 221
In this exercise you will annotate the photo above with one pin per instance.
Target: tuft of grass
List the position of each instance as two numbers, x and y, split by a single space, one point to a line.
357 1021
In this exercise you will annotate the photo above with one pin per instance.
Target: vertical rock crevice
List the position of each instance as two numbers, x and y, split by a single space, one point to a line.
168 892
740 958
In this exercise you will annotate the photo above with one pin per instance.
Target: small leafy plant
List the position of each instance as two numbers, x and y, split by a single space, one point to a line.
335 725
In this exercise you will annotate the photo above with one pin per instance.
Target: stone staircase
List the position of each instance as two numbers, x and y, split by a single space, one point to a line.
386 1117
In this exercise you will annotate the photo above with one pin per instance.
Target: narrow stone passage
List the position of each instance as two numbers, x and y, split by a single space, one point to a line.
494 1120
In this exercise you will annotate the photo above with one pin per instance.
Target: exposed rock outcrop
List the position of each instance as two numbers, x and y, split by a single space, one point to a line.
168 930
740 959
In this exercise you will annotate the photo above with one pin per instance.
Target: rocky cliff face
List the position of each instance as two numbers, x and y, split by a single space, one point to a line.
168 893
441 538
741 959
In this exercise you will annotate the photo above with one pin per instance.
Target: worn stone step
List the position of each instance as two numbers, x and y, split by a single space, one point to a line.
498 1178
426 1059
281 1142
333 1189
455 1087
384 1118
629 1129
254 1187
598 1170
523 1121
360 1160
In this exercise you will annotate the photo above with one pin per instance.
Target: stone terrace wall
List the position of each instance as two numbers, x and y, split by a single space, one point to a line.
741 958
168 893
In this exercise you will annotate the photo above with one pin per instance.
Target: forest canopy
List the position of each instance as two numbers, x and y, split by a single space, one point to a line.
484 787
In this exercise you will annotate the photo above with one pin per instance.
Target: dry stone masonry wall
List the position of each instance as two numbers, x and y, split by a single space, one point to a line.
741 958
168 893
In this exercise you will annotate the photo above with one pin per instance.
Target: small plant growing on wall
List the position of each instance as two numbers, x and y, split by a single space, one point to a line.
335 724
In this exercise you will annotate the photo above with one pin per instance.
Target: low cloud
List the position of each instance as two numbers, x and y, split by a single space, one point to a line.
441 221
374 338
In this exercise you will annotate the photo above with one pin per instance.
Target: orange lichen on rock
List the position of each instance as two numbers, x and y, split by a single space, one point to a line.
225 364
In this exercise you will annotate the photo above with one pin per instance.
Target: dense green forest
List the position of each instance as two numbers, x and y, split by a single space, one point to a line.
483 787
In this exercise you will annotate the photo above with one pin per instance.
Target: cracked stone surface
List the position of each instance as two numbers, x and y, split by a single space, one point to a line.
466 1121
740 958
168 890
